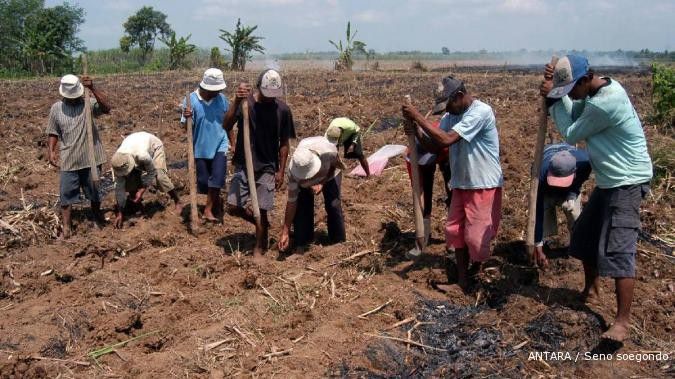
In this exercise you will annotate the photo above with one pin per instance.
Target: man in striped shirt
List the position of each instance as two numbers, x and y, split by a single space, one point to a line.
67 127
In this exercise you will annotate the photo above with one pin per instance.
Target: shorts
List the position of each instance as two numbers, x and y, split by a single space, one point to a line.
473 220
70 184
551 203
211 172
239 191
606 233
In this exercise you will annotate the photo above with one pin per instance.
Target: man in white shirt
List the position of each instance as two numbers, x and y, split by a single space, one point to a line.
140 153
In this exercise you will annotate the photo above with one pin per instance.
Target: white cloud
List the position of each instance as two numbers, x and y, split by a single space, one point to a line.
523 6
370 15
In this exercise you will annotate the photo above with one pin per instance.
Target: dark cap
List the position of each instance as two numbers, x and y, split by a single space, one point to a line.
447 89
561 169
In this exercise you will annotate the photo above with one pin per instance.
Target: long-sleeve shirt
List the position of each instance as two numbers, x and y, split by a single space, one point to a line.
583 171
613 133
141 146
330 166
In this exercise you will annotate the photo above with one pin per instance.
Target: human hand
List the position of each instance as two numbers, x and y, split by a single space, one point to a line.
540 257
54 159
242 92
278 180
283 240
87 81
548 71
187 112
317 189
545 87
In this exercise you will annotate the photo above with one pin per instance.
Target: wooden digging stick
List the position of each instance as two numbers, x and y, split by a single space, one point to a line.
250 173
90 129
536 168
192 172
414 169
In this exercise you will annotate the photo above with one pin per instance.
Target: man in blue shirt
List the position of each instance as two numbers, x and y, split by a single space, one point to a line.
564 169
596 109
208 108
468 125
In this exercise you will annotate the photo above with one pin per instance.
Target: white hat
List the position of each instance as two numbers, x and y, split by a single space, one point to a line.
304 164
70 87
269 84
122 164
213 80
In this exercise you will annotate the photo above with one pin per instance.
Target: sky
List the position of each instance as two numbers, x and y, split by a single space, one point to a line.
396 25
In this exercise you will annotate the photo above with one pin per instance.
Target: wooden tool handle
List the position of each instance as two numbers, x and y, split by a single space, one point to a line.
415 173
536 168
250 173
91 152
192 172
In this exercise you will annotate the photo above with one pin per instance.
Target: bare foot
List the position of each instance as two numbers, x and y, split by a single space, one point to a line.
258 257
540 259
65 234
179 208
618 332
209 217
590 295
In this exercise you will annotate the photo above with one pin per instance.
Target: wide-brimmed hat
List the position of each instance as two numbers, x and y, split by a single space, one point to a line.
304 164
213 80
122 164
447 89
567 71
71 87
561 169
269 83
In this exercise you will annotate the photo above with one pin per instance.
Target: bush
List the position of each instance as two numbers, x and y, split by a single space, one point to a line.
663 95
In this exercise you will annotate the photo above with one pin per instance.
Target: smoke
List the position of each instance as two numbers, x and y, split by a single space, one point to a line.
596 59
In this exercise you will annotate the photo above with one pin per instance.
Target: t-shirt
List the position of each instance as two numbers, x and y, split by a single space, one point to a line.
475 158
141 146
613 133
583 171
350 138
270 123
67 122
208 134
330 166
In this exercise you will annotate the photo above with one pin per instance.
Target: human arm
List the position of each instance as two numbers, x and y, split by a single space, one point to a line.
101 98
364 163
52 143
121 200
241 94
436 137
289 215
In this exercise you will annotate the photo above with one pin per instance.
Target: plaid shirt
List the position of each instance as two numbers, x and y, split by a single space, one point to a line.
67 122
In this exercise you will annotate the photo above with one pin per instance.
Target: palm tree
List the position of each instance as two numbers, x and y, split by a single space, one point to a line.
242 43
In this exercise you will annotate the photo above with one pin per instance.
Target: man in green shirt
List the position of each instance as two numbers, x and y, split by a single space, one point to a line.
344 132
597 110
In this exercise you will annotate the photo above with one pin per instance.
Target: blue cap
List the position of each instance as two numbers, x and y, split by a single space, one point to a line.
567 71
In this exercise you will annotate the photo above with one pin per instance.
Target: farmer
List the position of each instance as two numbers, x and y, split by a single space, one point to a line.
315 168
67 127
475 209
140 153
208 108
427 162
272 127
597 110
564 169
344 132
